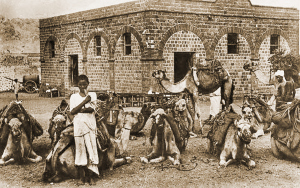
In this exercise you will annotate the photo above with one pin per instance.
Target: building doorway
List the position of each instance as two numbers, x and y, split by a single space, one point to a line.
183 61
74 70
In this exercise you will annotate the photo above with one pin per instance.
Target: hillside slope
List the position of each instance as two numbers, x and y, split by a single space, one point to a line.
19 35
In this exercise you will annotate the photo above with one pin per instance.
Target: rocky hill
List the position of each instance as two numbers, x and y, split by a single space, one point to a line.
19 35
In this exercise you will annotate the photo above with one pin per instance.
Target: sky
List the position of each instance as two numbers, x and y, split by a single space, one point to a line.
49 8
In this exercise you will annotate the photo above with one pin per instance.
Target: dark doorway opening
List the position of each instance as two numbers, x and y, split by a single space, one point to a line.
74 70
183 61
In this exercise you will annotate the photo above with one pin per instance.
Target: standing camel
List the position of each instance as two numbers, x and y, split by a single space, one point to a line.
203 79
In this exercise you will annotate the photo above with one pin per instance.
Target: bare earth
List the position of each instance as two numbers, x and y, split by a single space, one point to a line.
269 171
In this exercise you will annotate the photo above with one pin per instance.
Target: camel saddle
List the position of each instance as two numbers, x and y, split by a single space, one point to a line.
102 136
31 125
108 113
213 68
287 125
219 126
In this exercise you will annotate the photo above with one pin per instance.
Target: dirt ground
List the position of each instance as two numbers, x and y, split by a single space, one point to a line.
201 168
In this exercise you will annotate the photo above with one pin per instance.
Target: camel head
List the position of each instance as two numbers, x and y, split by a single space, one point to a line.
160 75
180 105
158 117
122 131
15 126
245 130
250 66
247 112
59 123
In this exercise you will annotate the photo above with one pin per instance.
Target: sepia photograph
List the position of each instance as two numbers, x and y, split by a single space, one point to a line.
150 93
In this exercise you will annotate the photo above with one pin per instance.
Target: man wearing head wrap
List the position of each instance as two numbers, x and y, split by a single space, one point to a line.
285 90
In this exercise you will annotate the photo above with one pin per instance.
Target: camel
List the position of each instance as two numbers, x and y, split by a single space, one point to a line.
200 80
17 131
61 117
285 135
237 138
166 145
261 113
114 126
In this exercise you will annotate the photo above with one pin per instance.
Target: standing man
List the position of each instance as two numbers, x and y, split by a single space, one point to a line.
280 98
16 88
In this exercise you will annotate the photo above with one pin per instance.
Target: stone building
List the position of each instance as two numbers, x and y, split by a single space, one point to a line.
119 46
16 66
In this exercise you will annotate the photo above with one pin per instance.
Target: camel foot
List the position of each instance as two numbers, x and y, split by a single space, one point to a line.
251 164
144 160
171 159
2 162
55 179
128 160
36 160
192 135
176 162
157 160
9 161
223 163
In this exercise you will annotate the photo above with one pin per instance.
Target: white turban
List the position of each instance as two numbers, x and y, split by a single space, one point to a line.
279 73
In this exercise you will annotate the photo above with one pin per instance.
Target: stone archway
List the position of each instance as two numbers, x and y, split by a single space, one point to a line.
75 36
227 30
50 38
127 29
268 33
175 29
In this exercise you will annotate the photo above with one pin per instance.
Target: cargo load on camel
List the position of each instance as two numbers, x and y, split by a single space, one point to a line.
229 135
113 131
17 130
219 126
285 137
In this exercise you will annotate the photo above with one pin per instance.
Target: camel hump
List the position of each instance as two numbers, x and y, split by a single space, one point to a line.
219 127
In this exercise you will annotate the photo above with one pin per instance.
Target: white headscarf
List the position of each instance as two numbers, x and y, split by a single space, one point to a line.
279 73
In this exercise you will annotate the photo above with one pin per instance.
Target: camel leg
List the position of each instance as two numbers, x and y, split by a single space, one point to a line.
197 116
58 177
275 149
250 163
149 157
222 159
122 161
230 161
34 158
174 160
111 153
9 161
157 160
210 147
8 151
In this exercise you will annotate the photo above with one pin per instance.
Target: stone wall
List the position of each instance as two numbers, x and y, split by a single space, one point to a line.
15 66
158 29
